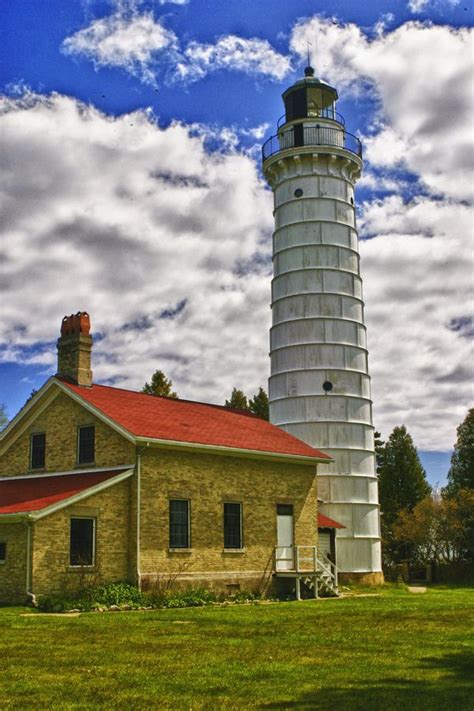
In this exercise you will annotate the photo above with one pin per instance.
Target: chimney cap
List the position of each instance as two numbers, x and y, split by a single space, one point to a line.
76 324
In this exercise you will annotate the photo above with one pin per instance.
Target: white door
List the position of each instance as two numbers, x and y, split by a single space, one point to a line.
324 543
285 551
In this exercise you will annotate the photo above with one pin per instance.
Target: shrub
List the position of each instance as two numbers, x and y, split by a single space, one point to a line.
198 597
119 594
124 595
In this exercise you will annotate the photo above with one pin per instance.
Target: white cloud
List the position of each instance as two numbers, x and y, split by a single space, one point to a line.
417 6
144 228
131 42
418 290
252 56
421 75
142 46
417 266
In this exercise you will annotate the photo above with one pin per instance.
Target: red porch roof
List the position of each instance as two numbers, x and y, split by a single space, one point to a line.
164 418
24 495
326 522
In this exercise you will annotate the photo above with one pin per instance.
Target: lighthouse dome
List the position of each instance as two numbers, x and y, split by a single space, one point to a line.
309 97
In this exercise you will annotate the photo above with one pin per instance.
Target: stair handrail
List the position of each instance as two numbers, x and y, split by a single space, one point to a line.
332 570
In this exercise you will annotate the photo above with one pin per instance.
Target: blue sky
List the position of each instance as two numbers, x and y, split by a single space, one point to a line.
132 185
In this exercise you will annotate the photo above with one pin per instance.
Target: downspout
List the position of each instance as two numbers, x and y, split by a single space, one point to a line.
138 469
29 594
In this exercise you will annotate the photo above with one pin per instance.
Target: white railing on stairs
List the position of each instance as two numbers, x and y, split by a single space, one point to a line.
304 560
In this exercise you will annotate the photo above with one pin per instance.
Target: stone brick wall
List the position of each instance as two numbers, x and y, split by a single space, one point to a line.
74 358
60 421
13 571
51 537
208 481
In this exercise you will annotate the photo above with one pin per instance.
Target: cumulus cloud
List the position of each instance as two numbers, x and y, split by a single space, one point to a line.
130 41
416 258
142 227
252 56
144 47
417 6
418 289
419 74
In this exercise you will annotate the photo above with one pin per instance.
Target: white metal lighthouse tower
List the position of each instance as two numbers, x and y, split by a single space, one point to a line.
319 387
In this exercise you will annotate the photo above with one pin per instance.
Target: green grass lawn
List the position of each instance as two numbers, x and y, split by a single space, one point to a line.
394 650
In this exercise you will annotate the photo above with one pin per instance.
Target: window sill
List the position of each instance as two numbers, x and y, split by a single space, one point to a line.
180 550
81 568
3 562
235 551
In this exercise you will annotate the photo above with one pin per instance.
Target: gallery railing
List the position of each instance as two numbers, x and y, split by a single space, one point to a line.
299 135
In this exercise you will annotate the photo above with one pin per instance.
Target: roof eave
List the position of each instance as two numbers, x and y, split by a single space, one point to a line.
64 503
233 451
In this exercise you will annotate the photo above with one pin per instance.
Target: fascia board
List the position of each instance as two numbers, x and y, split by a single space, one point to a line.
96 412
233 451
37 515
23 415
95 470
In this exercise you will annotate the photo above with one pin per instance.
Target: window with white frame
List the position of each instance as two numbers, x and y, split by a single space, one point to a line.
82 542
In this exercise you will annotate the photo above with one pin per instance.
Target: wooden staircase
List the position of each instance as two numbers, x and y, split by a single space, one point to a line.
305 564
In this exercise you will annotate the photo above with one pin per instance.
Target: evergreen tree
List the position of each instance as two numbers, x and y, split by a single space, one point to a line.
3 417
160 385
238 400
379 446
402 484
461 473
402 479
259 404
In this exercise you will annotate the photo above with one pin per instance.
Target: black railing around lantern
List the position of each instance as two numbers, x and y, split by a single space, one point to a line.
300 135
327 113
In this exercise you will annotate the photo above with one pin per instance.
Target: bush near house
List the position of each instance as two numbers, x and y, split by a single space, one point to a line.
128 597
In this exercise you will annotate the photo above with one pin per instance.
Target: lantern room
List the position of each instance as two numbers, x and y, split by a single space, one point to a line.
310 98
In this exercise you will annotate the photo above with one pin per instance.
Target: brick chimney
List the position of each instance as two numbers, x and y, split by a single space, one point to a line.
75 349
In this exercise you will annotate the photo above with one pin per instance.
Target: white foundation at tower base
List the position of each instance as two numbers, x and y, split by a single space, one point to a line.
318 336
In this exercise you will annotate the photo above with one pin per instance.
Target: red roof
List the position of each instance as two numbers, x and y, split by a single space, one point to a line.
326 522
38 492
195 422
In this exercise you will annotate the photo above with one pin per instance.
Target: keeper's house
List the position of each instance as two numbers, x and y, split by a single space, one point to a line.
120 485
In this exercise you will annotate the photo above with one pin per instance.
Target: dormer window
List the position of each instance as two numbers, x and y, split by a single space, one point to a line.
38 450
86 445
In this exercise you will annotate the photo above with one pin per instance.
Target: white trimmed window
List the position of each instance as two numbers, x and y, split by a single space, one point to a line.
82 542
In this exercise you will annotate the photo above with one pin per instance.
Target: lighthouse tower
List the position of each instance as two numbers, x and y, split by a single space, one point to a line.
319 387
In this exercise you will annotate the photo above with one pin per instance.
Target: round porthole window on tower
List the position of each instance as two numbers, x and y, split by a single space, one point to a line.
298 192
327 386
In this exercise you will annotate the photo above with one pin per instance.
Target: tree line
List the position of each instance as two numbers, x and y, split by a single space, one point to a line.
258 404
418 523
